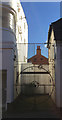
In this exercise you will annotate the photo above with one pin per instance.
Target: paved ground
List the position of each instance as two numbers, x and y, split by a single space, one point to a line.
38 106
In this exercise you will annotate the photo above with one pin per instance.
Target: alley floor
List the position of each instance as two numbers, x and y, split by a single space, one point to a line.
36 106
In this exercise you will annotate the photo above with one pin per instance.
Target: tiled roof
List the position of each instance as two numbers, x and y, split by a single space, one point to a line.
38 59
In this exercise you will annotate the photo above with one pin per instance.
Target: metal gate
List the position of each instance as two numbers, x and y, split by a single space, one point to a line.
34 72
36 79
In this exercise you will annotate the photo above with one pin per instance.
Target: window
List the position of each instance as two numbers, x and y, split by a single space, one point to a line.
41 58
35 59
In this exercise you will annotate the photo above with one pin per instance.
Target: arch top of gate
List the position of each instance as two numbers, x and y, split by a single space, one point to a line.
35 72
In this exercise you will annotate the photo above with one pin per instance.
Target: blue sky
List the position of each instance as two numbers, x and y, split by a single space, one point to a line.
39 16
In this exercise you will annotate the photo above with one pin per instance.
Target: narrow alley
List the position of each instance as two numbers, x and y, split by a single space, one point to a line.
30 60
37 106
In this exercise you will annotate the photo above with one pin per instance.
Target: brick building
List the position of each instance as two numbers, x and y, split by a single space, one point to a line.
38 58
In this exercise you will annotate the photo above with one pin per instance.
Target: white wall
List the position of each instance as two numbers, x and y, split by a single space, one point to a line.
7 48
22 48
11 3
52 64
11 36
8 64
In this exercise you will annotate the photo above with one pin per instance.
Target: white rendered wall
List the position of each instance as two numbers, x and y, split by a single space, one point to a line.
8 62
22 48
11 21
12 4
51 64
7 48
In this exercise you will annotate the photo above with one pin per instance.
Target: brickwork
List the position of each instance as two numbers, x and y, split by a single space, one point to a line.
38 58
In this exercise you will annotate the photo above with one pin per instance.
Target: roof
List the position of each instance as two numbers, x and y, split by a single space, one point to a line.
38 59
57 28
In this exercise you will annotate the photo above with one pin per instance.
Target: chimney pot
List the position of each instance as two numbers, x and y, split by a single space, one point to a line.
38 50
38 47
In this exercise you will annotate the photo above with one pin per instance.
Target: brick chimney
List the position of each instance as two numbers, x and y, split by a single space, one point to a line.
38 50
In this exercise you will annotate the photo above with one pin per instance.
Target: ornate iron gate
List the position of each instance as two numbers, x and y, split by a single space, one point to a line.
34 71
28 85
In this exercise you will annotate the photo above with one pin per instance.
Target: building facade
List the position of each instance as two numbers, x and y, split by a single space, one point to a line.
55 59
38 58
21 47
13 33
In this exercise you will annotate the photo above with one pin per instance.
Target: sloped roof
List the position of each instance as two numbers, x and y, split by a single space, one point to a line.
57 28
38 59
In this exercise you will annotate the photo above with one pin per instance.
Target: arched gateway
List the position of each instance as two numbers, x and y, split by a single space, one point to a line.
36 80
